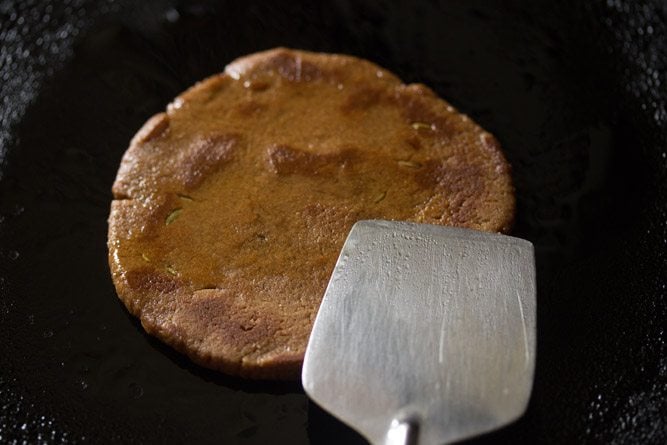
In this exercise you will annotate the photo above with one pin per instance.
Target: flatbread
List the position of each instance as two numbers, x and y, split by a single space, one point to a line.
231 207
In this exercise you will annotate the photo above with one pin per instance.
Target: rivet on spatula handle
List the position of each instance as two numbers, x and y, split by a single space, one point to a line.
403 432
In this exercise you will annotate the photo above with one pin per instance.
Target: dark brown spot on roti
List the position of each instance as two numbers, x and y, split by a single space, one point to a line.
362 99
149 280
258 85
250 108
232 322
414 142
285 160
292 67
415 109
204 156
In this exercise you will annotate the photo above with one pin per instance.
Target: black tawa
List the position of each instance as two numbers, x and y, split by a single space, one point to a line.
574 90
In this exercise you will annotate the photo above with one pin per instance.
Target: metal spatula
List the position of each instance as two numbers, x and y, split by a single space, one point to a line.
426 334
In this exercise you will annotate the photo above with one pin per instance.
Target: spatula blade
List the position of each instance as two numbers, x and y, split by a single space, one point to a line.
425 330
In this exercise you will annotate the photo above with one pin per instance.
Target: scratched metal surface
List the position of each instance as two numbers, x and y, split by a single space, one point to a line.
426 325
573 89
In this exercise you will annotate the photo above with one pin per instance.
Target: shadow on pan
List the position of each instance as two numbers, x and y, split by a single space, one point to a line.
573 90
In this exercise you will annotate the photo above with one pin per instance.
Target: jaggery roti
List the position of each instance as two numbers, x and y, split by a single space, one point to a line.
230 208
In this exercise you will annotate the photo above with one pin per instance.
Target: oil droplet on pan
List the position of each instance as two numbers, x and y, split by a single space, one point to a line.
136 390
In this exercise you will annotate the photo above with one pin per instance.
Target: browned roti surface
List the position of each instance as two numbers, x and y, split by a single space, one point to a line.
231 207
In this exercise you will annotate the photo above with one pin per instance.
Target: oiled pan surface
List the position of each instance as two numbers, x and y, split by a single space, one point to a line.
575 91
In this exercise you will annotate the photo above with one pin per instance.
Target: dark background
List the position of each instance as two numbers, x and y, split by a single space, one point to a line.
574 90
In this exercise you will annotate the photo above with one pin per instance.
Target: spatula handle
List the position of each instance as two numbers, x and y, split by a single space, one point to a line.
402 432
